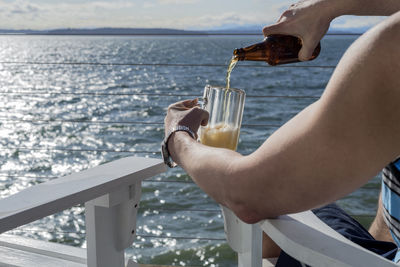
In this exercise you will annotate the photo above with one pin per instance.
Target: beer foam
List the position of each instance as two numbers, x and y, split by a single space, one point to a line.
221 135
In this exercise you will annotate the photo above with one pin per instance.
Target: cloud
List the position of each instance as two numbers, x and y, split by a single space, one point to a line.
177 2
258 12
24 9
206 22
184 14
18 7
230 18
346 22
21 14
209 21
148 5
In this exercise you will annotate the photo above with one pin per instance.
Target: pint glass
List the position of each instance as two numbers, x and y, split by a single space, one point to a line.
226 111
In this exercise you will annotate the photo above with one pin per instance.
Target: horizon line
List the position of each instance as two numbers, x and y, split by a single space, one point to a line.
156 31
163 34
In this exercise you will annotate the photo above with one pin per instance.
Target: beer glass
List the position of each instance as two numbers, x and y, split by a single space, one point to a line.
226 111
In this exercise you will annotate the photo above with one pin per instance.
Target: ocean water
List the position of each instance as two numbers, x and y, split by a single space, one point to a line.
69 103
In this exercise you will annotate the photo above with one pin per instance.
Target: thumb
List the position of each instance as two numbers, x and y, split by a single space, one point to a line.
204 118
190 103
272 29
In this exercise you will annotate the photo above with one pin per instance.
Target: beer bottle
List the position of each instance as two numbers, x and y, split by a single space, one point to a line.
276 49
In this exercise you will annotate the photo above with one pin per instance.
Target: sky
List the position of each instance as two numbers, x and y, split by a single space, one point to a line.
178 14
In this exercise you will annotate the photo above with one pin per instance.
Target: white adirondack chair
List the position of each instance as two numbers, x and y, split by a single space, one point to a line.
111 194
303 236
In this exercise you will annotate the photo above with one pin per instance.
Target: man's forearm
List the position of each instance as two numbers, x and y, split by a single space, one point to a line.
209 167
365 7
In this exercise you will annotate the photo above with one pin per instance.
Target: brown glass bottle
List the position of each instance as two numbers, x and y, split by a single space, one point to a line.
276 49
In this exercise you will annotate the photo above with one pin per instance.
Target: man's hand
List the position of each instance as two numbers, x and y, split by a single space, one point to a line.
185 113
308 20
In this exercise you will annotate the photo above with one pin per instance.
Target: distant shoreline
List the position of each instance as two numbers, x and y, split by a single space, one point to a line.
156 32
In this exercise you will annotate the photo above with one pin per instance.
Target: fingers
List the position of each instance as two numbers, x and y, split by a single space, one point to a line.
196 117
184 105
204 117
190 103
186 113
306 51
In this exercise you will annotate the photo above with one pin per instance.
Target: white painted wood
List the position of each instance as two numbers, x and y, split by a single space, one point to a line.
112 192
101 247
306 238
111 226
252 257
12 257
20 251
131 263
48 198
245 239
50 249
270 262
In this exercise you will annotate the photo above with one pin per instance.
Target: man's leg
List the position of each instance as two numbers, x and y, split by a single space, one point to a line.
379 229
269 248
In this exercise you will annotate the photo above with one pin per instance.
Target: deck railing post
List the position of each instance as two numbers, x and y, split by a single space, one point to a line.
111 226
245 239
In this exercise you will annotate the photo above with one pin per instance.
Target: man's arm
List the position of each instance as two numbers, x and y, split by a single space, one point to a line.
310 19
369 7
325 152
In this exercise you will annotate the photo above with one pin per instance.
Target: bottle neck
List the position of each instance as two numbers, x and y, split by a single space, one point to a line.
239 54
255 52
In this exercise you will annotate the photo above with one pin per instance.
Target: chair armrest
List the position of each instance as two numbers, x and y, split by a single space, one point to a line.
305 237
59 194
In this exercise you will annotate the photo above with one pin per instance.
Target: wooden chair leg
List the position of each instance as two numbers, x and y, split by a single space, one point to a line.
111 226
245 239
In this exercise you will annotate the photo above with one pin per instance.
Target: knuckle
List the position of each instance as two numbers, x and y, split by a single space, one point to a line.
270 29
196 109
287 13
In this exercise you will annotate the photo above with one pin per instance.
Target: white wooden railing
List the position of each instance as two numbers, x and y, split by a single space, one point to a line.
111 193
